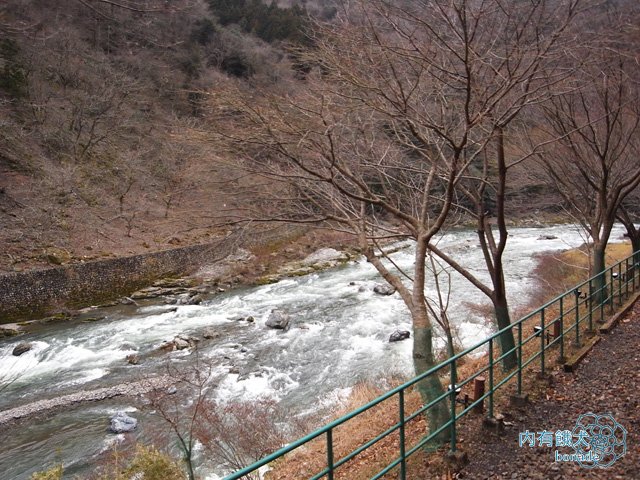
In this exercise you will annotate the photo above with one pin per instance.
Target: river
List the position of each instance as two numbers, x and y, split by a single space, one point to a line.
339 336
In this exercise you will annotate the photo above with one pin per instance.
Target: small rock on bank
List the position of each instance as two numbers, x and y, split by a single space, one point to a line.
122 423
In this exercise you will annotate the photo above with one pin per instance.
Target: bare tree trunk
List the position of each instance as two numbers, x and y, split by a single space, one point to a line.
503 320
597 270
632 232
431 387
423 357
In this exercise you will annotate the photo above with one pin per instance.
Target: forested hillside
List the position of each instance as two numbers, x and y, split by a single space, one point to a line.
100 108
106 111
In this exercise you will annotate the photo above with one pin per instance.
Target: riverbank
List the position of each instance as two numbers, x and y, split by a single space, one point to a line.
240 259
67 292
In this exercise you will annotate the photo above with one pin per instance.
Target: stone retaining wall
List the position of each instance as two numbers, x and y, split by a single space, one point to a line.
39 292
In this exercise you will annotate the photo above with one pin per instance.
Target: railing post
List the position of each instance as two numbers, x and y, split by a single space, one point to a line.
602 299
590 305
520 358
619 284
330 454
452 398
561 333
491 378
610 292
577 295
626 278
543 336
403 461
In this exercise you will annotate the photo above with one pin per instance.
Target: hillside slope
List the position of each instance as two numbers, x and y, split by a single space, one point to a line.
100 109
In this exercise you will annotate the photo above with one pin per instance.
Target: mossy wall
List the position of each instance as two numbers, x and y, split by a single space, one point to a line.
38 292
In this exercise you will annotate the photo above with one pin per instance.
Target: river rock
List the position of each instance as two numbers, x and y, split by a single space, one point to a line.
10 330
183 342
399 335
21 348
210 333
174 283
149 292
122 423
183 299
547 237
384 289
189 298
278 320
197 299
325 255
133 359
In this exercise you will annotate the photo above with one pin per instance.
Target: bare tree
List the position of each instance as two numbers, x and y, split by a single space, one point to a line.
497 62
628 214
238 433
407 96
181 413
594 164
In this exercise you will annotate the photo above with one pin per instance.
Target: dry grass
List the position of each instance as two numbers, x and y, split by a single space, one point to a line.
311 459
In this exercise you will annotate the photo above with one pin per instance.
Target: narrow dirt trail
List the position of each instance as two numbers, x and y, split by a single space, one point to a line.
606 382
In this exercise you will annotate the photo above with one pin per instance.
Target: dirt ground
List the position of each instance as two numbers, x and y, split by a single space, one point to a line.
606 382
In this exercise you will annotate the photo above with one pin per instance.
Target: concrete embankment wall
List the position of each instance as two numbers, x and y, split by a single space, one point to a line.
37 293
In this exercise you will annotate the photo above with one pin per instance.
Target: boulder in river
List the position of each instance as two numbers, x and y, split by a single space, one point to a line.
278 320
384 289
547 237
210 333
399 335
122 423
183 342
21 348
197 299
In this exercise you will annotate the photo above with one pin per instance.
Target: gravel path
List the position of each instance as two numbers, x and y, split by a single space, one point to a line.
607 381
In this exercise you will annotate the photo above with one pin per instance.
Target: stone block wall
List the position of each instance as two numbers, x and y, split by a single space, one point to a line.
36 293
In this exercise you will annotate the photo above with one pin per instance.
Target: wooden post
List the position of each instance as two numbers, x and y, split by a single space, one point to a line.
556 329
478 391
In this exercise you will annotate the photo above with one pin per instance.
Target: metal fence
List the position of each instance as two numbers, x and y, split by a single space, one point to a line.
550 331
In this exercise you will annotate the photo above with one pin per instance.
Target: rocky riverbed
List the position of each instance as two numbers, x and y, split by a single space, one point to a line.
40 407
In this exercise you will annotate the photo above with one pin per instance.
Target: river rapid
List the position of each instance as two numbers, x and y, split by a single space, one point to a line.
338 337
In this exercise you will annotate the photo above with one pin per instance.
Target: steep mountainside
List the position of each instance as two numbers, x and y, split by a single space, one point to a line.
101 105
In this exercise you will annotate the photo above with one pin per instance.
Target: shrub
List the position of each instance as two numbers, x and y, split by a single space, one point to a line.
54 473
151 464
13 76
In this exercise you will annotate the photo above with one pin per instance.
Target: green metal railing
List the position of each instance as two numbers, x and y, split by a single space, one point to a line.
566 318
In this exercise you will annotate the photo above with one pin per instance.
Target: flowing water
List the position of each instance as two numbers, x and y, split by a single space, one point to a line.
339 336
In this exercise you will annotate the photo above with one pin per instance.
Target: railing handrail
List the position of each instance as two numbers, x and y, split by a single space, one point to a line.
444 364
